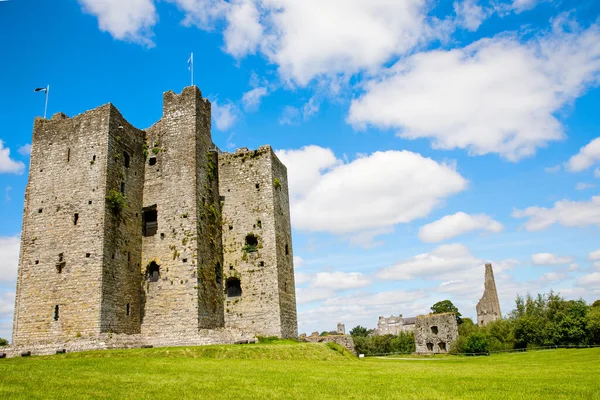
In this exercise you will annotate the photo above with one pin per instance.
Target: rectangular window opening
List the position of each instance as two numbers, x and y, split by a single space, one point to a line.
123 188
68 155
75 218
56 312
128 308
150 220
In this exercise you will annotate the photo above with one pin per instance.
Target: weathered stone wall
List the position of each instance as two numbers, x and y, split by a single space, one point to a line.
488 307
61 262
435 332
187 295
344 340
121 306
283 237
253 207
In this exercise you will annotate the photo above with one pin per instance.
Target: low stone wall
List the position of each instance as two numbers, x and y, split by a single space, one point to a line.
124 341
344 340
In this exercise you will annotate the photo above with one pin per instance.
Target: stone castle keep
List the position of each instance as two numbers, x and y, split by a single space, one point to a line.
151 237
488 307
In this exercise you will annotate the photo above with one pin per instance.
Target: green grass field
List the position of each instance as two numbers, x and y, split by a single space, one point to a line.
299 371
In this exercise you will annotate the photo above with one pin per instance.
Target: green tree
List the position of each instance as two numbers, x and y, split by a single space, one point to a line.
593 323
446 306
477 343
359 331
3 342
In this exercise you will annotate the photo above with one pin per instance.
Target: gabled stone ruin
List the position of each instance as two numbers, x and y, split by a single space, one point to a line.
488 307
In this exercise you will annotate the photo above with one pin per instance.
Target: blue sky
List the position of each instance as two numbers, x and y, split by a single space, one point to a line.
422 138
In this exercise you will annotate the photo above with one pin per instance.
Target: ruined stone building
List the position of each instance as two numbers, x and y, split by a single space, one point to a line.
394 325
435 332
152 236
488 307
341 329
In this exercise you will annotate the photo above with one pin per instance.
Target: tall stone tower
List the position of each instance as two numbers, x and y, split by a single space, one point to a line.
80 251
257 243
182 254
488 308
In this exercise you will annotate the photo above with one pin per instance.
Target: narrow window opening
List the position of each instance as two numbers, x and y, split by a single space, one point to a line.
262 263
287 250
39 210
430 346
126 160
285 287
123 188
231 267
60 257
434 330
259 223
150 221
153 272
152 161
442 346
94 158
184 260
59 267
257 185
128 308
230 227
251 243
75 218
128 257
68 155
89 202
87 255
37 262
234 287
218 273
56 312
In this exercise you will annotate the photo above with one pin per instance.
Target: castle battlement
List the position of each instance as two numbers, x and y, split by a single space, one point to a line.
152 233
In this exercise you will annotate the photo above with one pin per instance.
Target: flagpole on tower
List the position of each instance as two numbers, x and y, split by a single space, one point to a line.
191 66
46 89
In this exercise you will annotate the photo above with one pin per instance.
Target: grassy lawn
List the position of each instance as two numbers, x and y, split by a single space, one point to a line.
298 371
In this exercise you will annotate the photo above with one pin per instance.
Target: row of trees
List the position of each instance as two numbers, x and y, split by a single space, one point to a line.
544 320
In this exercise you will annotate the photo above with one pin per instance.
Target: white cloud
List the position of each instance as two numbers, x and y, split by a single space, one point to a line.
550 259
339 280
225 116
7 164
244 32
592 279
7 194
298 261
455 225
584 186
130 20
289 116
551 277
524 5
300 278
9 258
588 155
497 95
594 255
565 212
573 267
366 239
252 98
310 108
441 262
552 170
597 173
25 150
469 14
369 193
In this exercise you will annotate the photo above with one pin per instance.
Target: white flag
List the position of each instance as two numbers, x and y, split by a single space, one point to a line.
191 61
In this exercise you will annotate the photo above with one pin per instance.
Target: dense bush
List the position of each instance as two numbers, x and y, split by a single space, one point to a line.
3 342
384 344
545 320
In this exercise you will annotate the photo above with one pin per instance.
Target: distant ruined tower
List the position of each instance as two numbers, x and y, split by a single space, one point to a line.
341 329
488 308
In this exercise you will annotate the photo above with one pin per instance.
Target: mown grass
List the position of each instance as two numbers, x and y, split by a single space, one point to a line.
298 371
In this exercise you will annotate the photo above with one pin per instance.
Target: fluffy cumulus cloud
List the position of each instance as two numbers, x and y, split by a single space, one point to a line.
592 279
442 263
564 212
584 186
588 155
525 5
497 95
550 259
369 193
470 14
339 280
9 258
130 20
594 255
7 164
224 115
457 224
252 98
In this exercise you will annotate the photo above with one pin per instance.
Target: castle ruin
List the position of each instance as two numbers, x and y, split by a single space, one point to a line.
435 332
152 236
394 325
488 307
